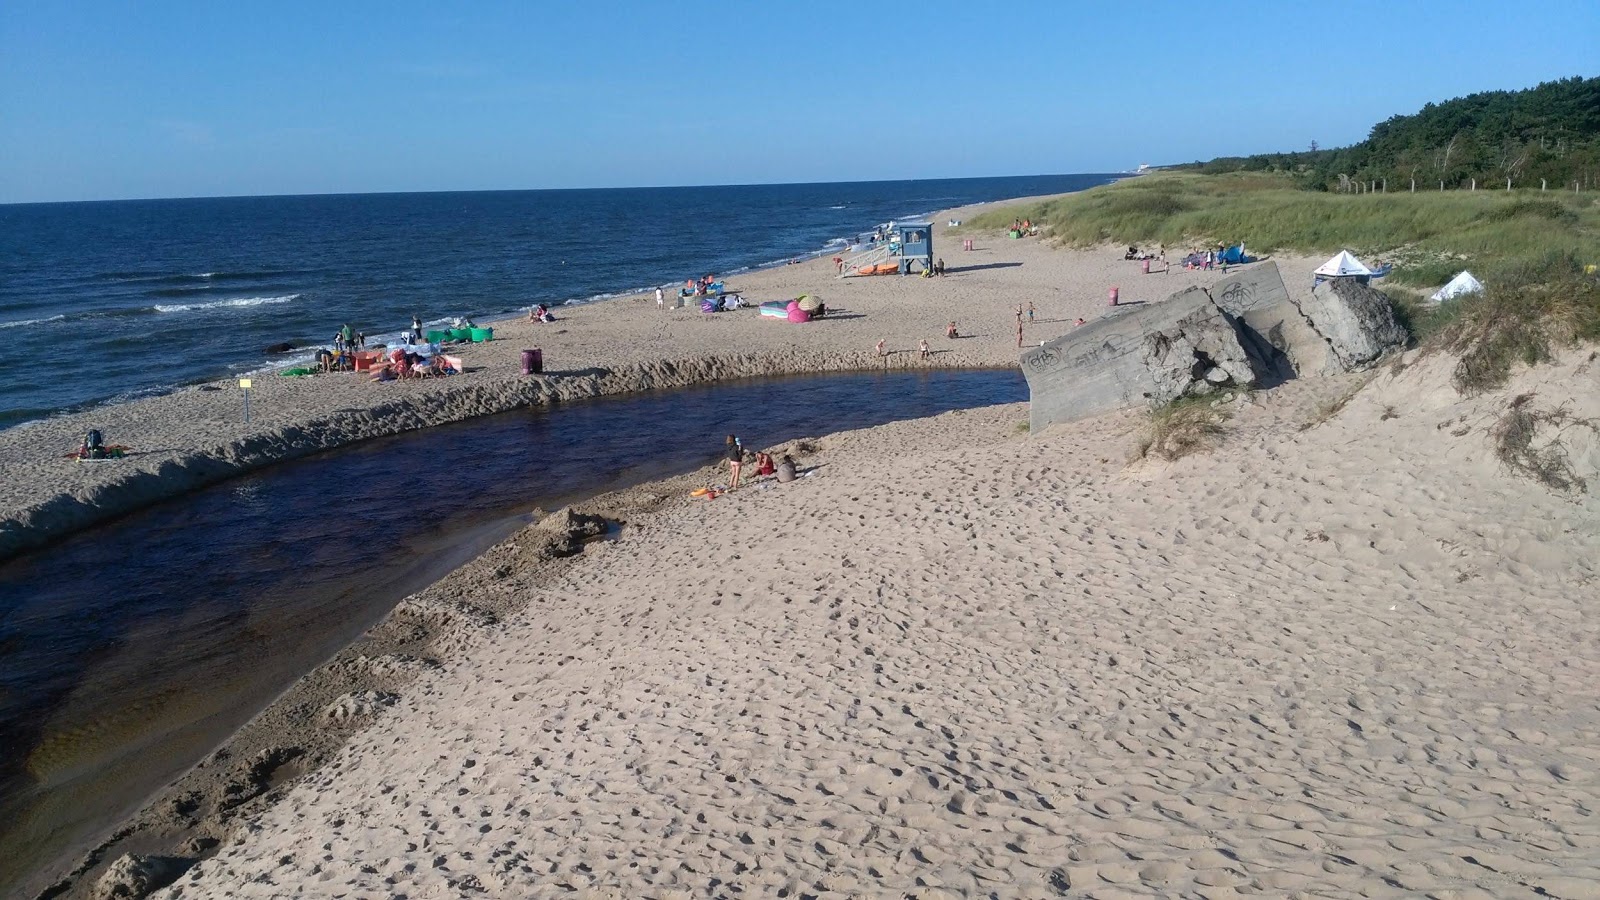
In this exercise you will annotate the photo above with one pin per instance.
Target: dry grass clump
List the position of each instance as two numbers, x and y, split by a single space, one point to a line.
1518 430
1185 426
1522 318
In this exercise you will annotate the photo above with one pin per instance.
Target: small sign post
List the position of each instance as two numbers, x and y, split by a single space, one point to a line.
244 385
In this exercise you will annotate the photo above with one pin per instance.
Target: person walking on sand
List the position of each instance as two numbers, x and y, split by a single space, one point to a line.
922 348
1030 312
735 455
661 299
880 349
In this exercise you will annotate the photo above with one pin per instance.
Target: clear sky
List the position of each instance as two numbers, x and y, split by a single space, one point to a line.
106 100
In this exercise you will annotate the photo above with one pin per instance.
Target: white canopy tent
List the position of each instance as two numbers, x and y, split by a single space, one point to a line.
1344 265
1461 284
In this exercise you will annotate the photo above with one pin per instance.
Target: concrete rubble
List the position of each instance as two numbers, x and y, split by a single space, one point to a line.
1246 330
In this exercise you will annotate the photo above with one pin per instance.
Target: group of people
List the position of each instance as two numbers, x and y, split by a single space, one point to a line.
406 364
347 340
541 313
783 467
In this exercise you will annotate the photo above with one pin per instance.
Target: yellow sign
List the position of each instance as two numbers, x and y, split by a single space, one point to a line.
244 383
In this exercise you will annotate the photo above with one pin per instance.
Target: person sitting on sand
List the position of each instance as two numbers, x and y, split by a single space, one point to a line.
950 331
764 464
786 469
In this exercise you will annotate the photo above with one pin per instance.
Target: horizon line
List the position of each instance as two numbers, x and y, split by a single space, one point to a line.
636 187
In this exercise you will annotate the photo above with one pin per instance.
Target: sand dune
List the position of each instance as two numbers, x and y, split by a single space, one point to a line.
1340 656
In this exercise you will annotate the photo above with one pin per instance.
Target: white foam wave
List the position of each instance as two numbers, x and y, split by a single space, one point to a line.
21 323
237 302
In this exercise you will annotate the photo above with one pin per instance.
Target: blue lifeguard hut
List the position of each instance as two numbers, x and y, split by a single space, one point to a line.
913 243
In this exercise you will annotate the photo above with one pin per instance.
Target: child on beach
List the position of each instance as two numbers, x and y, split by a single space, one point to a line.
1030 312
879 348
922 348
950 331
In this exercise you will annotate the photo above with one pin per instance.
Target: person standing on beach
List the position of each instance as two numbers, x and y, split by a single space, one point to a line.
416 328
922 348
1030 312
879 348
661 299
735 455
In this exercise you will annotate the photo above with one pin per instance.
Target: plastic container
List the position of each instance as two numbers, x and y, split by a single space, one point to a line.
533 361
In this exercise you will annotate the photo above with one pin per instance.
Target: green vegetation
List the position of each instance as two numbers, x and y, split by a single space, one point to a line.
1550 133
1435 234
1429 236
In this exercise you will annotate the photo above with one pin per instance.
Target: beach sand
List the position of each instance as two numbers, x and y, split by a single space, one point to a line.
1344 654
196 436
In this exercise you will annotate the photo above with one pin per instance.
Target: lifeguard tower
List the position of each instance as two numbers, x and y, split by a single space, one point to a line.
908 246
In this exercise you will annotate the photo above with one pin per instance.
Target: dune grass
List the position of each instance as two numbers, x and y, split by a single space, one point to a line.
1185 426
1430 235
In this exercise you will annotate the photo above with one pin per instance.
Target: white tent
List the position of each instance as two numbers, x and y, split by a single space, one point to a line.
1342 266
1461 284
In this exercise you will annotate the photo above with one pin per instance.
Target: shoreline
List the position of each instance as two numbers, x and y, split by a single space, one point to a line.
191 437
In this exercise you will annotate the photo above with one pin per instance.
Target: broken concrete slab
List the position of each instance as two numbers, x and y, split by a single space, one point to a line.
1256 287
1356 319
1320 333
1149 354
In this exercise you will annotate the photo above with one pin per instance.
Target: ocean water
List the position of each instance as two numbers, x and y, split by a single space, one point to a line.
113 300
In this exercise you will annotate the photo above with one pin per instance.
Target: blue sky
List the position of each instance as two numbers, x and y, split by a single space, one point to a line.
116 100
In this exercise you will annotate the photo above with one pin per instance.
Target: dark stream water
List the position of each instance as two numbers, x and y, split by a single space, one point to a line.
130 651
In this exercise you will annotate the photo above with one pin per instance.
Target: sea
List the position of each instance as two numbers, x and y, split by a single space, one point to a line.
109 301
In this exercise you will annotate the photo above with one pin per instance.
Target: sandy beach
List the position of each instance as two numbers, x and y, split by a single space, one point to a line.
1345 653
197 435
